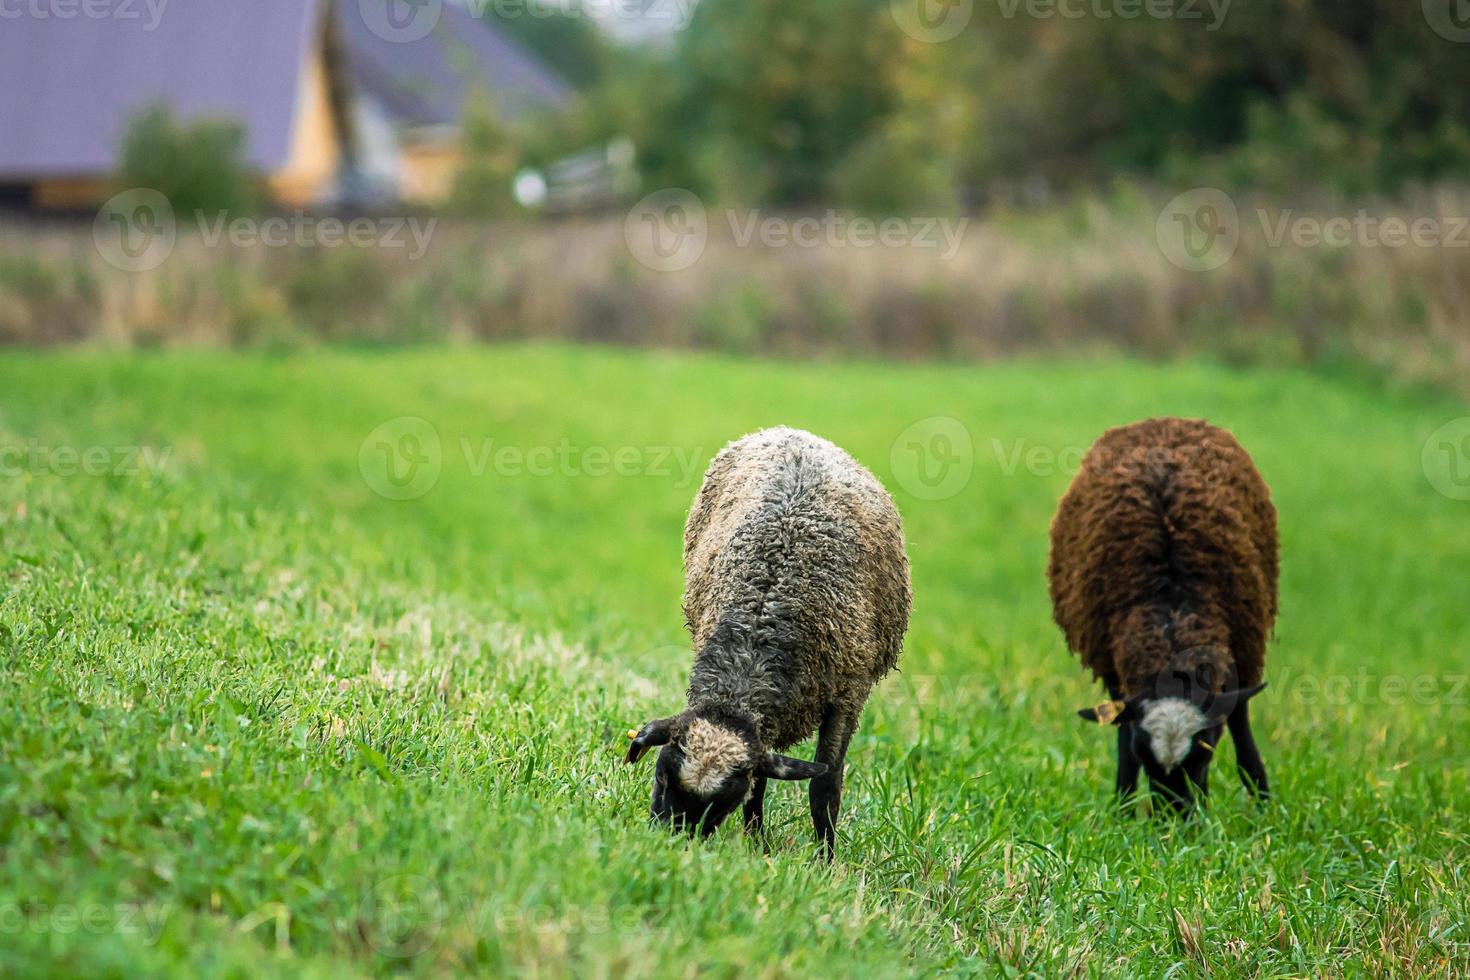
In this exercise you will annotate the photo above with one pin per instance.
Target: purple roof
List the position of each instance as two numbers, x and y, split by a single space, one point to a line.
68 85
424 82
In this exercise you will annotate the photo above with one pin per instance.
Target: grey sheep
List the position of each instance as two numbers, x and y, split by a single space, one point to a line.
797 596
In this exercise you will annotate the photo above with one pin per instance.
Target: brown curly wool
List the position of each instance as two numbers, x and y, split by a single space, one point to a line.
1164 557
797 585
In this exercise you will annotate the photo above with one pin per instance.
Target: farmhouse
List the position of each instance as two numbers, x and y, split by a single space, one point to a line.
339 102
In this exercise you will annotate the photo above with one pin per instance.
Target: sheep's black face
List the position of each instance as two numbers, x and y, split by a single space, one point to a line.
702 808
1177 779
1173 738
707 767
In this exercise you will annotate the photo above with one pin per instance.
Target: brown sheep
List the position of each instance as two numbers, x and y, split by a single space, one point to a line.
797 596
1163 573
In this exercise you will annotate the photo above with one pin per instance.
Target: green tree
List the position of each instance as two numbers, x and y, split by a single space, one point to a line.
491 156
772 95
565 38
198 165
829 101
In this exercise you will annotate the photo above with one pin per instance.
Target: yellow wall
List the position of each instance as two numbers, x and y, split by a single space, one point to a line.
316 145
427 171
69 193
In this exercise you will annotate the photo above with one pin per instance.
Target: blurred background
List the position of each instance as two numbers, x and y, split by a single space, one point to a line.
1258 180
349 424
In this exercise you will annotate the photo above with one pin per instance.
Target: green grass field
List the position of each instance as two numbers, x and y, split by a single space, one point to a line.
258 718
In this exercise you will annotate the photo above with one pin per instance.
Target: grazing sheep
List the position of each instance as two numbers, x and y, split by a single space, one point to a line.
797 596
1163 578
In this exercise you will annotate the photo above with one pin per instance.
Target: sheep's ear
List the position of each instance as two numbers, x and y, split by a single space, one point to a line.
775 766
654 733
1226 702
1111 713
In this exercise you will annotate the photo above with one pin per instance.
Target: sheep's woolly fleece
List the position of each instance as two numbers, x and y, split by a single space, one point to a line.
1164 559
797 586
711 754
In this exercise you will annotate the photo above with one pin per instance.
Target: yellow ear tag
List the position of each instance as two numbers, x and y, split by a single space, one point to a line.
1109 710
632 734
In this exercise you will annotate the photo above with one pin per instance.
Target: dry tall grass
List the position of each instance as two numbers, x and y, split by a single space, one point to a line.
1092 274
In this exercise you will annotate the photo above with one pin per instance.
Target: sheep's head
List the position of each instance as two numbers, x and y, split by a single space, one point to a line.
707 767
1173 735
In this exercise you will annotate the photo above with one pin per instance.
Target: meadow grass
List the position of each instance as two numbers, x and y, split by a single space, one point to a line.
260 719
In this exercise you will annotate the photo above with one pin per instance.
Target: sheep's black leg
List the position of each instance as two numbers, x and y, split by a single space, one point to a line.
826 789
755 808
1247 756
1127 765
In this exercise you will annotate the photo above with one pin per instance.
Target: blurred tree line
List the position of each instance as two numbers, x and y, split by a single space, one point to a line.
564 39
843 102
833 102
